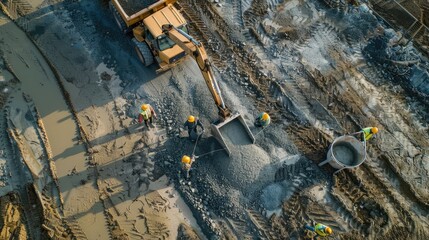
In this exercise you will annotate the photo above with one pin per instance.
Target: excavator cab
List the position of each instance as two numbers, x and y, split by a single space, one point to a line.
231 129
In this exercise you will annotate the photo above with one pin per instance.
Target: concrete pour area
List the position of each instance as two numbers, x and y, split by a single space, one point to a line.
75 164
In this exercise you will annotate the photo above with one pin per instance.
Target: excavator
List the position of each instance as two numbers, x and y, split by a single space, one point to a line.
196 50
159 34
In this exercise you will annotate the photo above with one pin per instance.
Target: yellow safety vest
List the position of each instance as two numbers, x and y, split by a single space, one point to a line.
367 133
263 122
146 114
320 230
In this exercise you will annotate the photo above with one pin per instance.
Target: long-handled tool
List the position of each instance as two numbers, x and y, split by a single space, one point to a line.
261 131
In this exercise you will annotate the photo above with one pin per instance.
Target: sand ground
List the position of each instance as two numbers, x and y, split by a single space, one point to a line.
75 162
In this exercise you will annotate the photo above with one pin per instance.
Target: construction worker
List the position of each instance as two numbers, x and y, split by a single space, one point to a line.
262 120
147 113
192 123
320 229
367 133
187 163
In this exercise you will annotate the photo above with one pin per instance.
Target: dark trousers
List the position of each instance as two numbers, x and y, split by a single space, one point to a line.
310 228
186 172
192 133
190 130
146 120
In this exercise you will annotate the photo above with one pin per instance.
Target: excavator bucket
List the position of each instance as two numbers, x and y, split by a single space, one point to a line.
232 131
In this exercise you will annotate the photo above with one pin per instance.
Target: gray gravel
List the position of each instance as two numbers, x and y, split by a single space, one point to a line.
248 165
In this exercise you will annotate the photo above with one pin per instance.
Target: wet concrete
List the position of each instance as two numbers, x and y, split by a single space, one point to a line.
345 153
235 133
38 81
247 166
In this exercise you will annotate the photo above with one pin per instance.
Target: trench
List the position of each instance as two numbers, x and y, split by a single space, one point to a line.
81 198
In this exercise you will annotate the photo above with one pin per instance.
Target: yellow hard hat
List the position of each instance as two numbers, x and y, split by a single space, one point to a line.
186 159
374 130
328 230
191 119
265 116
145 107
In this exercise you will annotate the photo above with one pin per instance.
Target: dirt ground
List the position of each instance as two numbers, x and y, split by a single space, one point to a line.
75 163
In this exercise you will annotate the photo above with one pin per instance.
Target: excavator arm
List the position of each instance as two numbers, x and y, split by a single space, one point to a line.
196 50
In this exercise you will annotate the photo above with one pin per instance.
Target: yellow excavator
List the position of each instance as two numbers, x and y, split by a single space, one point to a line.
142 20
159 34
196 50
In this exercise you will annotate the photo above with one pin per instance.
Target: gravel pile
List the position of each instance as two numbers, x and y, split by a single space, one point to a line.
248 165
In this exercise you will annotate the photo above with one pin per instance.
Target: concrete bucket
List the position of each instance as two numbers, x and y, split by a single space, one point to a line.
346 152
233 131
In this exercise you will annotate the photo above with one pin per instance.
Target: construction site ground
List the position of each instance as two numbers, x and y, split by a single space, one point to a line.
76 164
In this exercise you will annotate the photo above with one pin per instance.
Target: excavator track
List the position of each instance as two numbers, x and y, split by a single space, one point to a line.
313 143
200 31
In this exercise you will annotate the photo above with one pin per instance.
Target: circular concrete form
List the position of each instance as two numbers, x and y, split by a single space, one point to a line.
346 152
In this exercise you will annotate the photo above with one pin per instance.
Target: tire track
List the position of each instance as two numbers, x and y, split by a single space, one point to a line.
48 75
246 63
294 215
20 178
198 26
17 8
272 4
310 141
339 5
76 229
238 12
345 213
318 213
264 229
408 220
241 228
353 194
337 96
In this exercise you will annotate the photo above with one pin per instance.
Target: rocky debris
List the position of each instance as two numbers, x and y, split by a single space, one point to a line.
5 78
420 78
185 232
12 223
247 168
399 61
4 178
212 191
199 205
105 76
